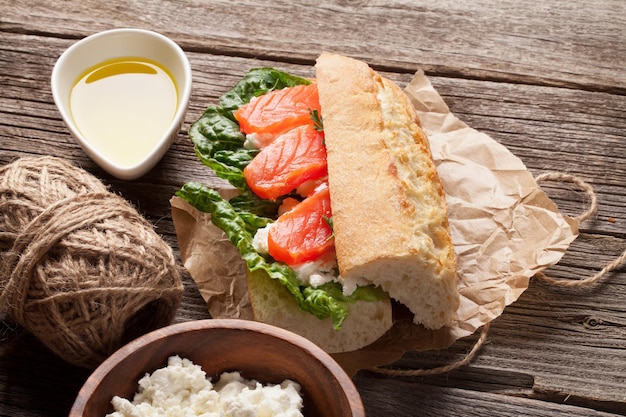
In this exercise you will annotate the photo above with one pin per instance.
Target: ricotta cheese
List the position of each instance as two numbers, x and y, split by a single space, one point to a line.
181 389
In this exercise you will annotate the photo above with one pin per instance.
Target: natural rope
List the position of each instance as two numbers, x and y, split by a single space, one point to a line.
619 261
80 268
557 176
440 369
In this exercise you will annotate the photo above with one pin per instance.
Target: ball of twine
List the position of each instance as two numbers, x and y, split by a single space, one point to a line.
80 268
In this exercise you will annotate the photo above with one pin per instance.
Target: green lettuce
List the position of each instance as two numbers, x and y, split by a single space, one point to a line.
219 144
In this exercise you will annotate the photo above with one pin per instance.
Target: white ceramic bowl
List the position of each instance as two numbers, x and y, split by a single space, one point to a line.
122 43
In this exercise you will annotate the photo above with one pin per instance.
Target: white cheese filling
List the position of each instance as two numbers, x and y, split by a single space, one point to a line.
313 273
181 389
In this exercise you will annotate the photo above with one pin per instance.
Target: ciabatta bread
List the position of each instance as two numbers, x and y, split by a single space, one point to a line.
389 211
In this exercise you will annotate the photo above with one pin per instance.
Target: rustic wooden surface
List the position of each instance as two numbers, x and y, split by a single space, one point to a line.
546 79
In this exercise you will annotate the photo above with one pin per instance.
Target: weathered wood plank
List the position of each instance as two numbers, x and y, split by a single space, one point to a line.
450 400
555 43
546 80
574 132
527 119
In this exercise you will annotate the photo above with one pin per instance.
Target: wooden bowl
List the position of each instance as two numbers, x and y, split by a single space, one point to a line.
259 351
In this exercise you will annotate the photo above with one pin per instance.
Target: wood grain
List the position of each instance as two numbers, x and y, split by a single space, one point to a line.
511 40
544 79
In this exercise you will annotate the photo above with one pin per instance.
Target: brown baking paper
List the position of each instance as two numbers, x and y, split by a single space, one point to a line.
504 227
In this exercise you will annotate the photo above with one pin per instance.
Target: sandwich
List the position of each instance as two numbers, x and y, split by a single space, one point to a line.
340 213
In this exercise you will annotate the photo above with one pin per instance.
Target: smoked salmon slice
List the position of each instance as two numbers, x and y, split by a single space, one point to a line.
293 158
279 110
304 233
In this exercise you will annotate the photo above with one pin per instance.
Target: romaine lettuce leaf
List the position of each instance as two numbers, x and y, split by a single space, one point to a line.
240 231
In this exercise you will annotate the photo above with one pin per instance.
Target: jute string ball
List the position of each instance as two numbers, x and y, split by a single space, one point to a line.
80 268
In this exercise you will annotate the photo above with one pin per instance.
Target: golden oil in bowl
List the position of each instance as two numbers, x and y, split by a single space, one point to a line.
123 107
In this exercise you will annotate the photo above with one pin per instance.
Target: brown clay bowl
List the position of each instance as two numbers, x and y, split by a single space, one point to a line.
259 351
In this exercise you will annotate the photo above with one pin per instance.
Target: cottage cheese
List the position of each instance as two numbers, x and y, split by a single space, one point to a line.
181 389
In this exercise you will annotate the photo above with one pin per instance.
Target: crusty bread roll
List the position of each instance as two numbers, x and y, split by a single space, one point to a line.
273 304
389 211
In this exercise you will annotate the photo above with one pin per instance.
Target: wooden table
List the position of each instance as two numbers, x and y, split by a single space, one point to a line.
546 79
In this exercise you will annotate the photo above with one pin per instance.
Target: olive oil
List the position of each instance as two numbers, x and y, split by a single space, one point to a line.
123 108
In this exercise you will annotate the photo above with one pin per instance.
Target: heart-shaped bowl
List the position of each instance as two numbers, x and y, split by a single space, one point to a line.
261 352
98 54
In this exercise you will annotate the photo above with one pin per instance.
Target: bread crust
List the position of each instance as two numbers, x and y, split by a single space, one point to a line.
389 210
